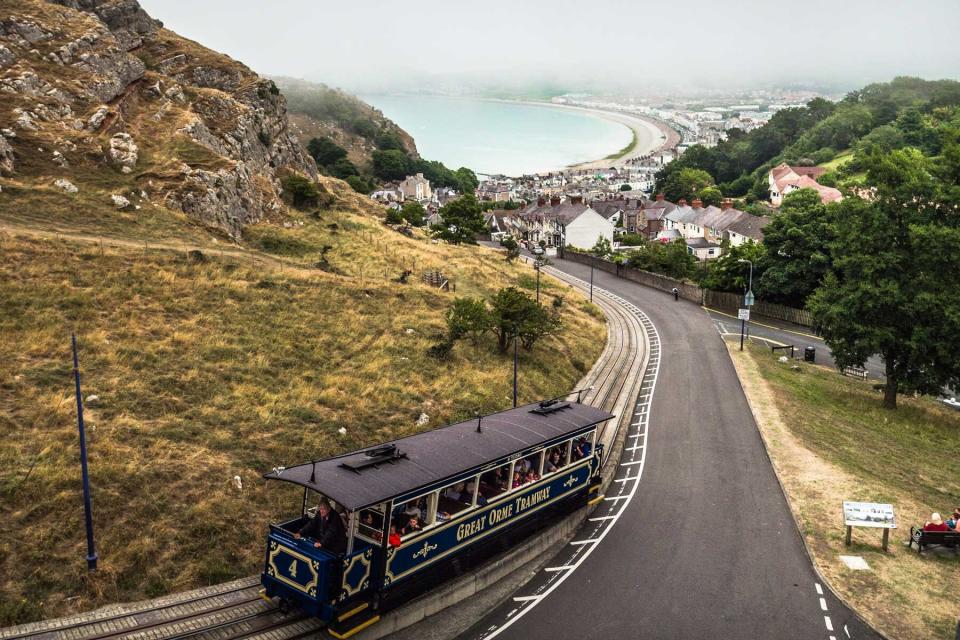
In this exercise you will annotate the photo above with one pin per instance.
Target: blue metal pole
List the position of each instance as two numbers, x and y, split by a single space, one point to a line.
88 511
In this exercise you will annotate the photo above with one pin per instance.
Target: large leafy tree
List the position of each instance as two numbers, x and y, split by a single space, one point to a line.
798 253
462 221
894 284
514 314
686 183
727 273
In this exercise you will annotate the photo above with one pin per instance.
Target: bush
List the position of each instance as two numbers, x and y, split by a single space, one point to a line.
441 350
468 317
302 191
394 216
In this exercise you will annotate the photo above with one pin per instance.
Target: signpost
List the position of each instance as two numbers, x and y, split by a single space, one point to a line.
748 299
869 514
744 315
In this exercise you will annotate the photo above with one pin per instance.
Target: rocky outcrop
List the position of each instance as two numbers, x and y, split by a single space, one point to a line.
124 152
88 79
6 157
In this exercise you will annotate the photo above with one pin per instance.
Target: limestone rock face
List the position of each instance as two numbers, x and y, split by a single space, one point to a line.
95 77
123 150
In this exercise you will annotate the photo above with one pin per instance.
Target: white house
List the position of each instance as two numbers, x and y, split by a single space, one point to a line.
416 187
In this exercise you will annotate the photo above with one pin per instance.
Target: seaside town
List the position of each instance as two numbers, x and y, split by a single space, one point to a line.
616 202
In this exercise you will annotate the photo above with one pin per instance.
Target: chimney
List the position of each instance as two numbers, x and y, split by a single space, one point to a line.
541 201
659 197
554 201
576 199
682 202
726 203
697 203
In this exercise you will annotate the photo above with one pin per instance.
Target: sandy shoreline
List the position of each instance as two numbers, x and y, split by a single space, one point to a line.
650 135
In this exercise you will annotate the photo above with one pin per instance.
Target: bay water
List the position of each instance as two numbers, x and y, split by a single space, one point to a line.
494 137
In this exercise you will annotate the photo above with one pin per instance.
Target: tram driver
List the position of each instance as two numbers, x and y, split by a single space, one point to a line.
326 529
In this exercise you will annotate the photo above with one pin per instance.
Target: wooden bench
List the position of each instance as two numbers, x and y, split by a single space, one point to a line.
921 538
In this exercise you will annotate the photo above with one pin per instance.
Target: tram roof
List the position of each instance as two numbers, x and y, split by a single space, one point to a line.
432 456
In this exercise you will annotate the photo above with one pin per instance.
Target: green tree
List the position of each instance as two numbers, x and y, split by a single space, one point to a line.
343 169
387 140
414 213
727 273
394 216
798 249
325 151
512 247
710 196
462 221
602 248
686 183
468 317
626 187
514 314
361 184
894 284
391 165
466 181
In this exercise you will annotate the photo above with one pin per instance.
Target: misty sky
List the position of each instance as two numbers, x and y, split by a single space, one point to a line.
370 45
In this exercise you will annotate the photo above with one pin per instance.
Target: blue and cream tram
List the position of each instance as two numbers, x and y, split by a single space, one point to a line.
415 505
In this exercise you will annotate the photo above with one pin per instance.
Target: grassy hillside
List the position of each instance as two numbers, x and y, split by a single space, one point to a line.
210 370
831 441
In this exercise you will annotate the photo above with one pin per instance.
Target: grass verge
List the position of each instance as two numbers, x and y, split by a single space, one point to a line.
830 441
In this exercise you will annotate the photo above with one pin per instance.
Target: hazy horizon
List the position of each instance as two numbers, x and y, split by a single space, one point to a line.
604 46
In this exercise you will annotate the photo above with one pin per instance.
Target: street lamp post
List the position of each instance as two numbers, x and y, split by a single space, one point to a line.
515 363
591 279
748 300
536 265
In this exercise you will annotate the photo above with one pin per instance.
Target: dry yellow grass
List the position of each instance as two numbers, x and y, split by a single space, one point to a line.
229 367
904 595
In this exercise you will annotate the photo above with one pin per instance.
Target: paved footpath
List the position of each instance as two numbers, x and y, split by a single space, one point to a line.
706 546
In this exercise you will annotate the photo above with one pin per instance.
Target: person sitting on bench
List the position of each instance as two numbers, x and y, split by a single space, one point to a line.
936 523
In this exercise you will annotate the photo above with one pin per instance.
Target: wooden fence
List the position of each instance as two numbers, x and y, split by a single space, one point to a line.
688 291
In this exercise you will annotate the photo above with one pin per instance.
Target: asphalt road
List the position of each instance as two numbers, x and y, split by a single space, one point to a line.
774 333
706 545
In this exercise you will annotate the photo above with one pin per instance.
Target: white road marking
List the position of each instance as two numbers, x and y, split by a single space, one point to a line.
634 448
823 604
631 479
603 518
819 588
526 598
628 464
563 568
826 620
846 631
511 613
590 541
654 362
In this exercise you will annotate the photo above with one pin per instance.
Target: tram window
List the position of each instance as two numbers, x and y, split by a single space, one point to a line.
370 525
529 468
454 499
555 459
495 481
415 515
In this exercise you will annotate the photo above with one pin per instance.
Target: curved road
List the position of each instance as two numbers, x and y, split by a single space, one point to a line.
706 546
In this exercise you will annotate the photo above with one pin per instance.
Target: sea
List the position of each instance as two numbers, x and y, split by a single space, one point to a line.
494 137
